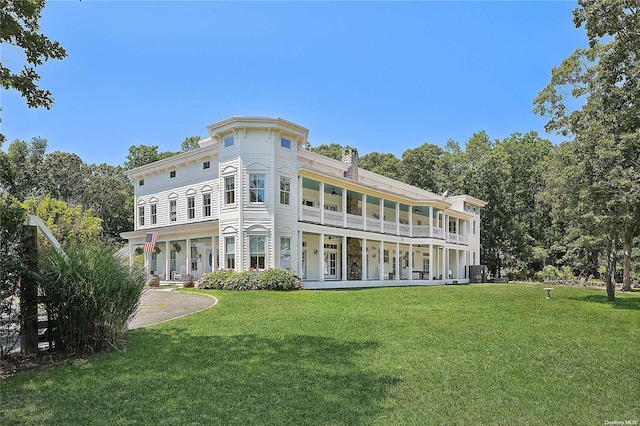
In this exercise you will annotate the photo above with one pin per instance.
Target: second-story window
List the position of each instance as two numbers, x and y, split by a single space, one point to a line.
452 226
206 205
191 207
285 190
230 190
141 215
256 188
173 214
154 214
229 141
473 224
285 143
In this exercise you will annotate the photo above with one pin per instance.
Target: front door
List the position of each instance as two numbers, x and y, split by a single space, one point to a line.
209 261
330 265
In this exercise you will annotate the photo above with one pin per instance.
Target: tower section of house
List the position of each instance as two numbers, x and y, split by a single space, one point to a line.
251 198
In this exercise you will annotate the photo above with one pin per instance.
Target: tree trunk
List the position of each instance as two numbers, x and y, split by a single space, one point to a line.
611 268
627 239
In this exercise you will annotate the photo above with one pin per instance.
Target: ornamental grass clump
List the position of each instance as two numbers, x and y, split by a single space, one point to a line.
92 295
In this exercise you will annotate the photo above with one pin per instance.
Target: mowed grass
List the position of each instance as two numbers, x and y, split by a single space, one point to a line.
478 354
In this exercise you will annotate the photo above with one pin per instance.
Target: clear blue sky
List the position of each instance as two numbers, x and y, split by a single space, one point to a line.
380 76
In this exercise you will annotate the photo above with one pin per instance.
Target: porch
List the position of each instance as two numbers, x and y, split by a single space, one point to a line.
336 284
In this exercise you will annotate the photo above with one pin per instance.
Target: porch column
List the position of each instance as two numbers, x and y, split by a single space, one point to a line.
458 230
363 275
343 253
321 255
322 203
344 208
398 272
382 215
411 221
364 211
130 255
397 218
299 262
443 262
431 274
381 260
299 197
188 256
411 256
431 221
167 261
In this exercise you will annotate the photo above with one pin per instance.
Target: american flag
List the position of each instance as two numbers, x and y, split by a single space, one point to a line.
150 242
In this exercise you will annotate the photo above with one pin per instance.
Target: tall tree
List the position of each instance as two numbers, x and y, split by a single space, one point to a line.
606 128
21 29
333 150
190 143
384 164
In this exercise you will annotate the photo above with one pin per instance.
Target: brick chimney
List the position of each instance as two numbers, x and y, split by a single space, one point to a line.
350 157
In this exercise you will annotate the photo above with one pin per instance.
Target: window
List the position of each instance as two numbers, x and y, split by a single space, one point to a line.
191 207
425 263
228 141
154 214
285 252
206 205
206 164
285 143
172 211
230 190
473 224
256 252
141 182
256 188
452 226
141 215
172 174
154 262
285 190
230 252
385 256
474 258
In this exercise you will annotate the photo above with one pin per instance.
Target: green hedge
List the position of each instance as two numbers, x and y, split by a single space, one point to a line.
273 279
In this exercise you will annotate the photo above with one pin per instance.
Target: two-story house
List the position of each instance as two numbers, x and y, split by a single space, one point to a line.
251 197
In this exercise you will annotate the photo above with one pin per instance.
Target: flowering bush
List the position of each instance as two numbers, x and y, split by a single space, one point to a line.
273 279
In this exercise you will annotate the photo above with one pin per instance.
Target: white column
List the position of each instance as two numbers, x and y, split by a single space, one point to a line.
381 260
398 272
364 260
344 208
411 258
322 203
321 255
364 211
130 255
431 221
431 274
411 222
300 271
188 256
167 260
345 273
299 197
443 261
381 215
397 218
458 230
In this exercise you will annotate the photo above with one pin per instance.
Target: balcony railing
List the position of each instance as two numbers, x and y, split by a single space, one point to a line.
312 214
332 218
355 222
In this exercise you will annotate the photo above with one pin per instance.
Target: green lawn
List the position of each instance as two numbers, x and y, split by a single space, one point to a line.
478 354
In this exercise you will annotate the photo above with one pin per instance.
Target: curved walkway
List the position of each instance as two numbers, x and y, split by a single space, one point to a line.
160 305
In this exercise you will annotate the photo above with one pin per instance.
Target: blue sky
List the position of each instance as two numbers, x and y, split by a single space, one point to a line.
380 76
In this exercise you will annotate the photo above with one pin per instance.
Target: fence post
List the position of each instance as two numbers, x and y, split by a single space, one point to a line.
29 295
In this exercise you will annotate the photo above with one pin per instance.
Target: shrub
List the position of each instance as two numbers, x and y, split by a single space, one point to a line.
92 294
273 279
278 279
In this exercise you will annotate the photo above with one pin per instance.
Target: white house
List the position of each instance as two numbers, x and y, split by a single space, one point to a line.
251 197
